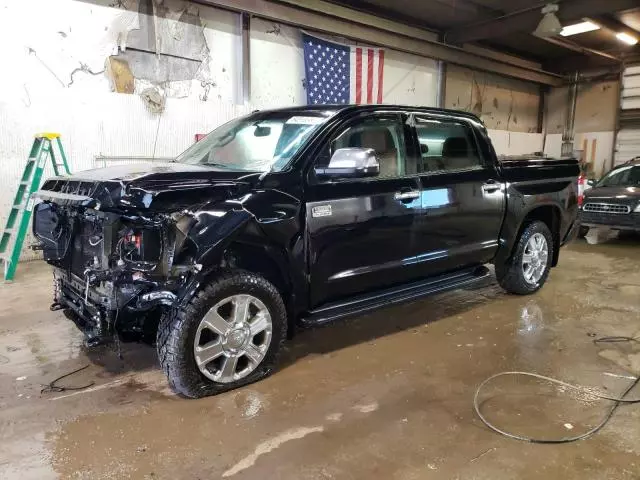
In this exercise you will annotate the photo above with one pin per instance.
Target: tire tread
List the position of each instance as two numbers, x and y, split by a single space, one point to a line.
174 331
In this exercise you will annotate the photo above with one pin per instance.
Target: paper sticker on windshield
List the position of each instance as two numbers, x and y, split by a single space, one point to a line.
299 120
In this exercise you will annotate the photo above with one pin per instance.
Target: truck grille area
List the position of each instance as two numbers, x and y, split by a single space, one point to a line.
106 192
607 208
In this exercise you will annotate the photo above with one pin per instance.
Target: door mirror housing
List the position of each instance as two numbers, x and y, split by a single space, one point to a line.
351 163
591 182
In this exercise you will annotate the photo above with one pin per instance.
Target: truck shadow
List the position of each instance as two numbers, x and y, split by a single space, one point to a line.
138 356
370 327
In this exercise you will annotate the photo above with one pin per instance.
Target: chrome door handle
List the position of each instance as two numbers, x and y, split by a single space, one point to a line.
403 196
491 186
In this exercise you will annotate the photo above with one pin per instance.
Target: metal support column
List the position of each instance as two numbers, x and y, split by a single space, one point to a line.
441 85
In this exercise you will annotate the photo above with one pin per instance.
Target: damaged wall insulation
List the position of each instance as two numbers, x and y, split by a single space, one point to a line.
180 49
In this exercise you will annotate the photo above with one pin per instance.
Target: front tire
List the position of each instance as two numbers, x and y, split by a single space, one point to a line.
228 335
528 268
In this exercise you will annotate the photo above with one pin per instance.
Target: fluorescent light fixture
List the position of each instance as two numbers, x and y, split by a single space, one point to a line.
581 27
626 38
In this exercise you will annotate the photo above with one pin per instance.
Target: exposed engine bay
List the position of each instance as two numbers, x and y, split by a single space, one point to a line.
108 265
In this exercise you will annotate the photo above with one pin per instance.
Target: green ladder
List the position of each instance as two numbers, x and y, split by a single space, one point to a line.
17 224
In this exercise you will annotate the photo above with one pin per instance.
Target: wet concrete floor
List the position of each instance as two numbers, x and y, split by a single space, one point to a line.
387 395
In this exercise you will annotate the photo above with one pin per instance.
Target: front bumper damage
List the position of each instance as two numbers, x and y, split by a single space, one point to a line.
96 307
112 271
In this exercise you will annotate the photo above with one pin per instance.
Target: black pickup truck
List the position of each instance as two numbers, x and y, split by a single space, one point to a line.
296 217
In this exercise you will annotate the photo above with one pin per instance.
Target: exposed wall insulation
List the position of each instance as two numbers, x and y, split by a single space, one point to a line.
182 49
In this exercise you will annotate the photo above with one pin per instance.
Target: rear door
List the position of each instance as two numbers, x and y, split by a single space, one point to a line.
462 198
361 231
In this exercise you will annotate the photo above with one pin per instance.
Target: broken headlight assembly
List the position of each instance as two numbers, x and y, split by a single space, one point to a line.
139 248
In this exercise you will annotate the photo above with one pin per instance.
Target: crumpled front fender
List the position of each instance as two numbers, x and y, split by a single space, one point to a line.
214 230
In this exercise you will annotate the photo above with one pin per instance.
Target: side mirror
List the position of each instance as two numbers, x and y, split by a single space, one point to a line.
591 182
351 163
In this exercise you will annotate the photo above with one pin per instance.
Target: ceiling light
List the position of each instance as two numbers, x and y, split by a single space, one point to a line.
581 27
549 25
626 38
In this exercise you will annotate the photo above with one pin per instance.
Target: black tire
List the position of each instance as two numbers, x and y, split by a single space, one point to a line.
510 275
177 331
582 232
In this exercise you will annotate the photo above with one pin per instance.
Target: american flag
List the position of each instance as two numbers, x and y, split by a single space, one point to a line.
338 73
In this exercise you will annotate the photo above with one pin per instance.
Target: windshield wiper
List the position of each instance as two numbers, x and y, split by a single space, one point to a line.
222 165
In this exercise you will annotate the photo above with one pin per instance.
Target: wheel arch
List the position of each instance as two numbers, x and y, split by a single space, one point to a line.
549 214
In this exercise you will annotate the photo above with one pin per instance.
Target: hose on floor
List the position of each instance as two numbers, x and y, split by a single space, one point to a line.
52 387
617 401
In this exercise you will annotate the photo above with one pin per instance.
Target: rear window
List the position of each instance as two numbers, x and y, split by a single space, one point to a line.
446 145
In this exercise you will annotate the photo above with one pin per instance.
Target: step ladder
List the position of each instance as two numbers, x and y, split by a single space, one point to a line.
19 216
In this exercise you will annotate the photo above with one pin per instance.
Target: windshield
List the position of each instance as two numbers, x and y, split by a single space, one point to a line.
622 177
261 142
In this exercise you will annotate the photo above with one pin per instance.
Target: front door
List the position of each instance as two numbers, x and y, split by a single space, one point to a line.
361 231
462 198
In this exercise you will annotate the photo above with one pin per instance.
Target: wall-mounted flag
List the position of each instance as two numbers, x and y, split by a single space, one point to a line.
341 74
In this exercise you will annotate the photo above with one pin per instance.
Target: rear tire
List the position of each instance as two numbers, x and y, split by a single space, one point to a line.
227 336
528 268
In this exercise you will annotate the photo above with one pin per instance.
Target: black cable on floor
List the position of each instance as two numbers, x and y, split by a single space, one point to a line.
615 339
617 401
51 387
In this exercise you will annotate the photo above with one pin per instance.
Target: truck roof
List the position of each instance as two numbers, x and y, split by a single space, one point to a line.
375 107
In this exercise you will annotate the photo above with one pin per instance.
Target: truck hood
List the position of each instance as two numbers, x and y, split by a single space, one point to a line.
156 187
624 195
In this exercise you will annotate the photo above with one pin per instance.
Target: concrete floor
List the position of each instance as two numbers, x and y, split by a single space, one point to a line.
387 395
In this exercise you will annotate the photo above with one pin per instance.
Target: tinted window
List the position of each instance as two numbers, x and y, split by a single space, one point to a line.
445 145
385 136
622 177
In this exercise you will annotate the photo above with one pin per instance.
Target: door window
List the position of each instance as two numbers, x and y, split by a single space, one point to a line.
384 135
445 145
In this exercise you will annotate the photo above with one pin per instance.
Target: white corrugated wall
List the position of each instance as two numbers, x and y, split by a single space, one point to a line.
628 137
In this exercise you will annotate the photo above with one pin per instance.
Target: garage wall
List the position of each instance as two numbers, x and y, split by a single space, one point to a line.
508 107
596 113
277 48
594 125
502 103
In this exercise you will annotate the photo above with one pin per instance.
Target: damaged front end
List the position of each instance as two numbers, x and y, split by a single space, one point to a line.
117 266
